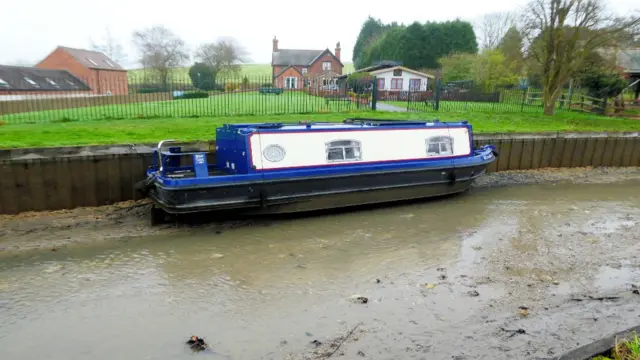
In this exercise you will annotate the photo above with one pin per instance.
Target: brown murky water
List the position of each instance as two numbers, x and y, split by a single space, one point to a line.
266 291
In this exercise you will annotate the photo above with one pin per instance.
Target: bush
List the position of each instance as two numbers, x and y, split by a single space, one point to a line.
194 95
359 82
203 76
150 90
266 85
230 87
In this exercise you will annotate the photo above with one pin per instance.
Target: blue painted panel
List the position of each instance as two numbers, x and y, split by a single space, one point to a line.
200 165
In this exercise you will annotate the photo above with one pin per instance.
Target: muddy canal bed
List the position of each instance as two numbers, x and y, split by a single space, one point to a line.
449 279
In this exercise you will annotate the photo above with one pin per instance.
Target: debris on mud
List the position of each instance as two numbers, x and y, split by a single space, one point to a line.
523 310
596 298
473 293
358 299
332 347
514 332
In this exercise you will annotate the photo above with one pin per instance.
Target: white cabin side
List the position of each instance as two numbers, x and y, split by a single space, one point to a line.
321 148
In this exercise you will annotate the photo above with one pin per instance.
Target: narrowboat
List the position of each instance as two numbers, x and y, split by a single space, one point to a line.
285 168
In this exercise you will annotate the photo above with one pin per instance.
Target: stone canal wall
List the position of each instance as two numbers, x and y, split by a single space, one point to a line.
62 178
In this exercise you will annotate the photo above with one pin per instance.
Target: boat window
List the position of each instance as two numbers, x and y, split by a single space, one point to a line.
439 145
343 150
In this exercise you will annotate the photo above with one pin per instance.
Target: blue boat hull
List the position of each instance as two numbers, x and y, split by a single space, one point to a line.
304 194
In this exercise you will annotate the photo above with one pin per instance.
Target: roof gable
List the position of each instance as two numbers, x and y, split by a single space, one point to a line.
287 68
92 59
34 79
325 52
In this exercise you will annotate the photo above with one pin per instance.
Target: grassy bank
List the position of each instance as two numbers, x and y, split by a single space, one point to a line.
203 128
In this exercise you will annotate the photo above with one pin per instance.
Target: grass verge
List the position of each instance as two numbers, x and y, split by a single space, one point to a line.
624 350
149 130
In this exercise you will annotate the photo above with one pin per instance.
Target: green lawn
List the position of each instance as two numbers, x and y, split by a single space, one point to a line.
255 71
151 130
225 104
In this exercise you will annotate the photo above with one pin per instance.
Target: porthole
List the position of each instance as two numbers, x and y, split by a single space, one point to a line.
274 153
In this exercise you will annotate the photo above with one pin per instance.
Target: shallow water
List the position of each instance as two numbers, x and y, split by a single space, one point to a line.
249 288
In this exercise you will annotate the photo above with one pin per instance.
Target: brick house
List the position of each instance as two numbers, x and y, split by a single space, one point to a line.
22 82
293 68
103 75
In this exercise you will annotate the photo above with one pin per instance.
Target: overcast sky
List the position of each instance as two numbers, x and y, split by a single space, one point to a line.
30 29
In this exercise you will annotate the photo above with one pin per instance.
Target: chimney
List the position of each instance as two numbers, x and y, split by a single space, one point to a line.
275 44
337 53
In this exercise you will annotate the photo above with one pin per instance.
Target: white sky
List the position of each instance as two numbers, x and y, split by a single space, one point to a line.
30 29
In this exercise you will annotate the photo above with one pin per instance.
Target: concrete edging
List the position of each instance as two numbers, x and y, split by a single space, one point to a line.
598 347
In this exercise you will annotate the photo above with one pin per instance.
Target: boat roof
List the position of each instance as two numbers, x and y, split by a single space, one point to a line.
356 123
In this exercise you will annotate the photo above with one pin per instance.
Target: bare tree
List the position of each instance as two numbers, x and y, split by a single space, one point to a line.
225 55
160 50
492 27
110 47
562 33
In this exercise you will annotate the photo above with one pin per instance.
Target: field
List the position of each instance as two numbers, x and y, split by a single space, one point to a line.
232 104
149 130
249 70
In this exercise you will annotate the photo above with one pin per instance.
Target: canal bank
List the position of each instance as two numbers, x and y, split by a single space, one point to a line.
65 178
444 279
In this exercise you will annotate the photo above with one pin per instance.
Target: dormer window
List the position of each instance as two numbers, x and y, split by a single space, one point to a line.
52 82
30 81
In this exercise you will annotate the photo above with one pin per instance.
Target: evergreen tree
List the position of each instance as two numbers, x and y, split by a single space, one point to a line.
370 29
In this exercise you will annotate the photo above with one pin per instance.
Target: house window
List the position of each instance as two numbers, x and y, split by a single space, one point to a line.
93 62
414 84
396 84
381 84
326 65
343 150
291 83
304 71
52 82
439 145
326 82
4 83
35 84
397 72
70 83
109 63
